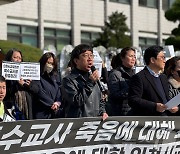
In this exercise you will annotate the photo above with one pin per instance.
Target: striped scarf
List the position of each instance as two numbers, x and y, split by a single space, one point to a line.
21 102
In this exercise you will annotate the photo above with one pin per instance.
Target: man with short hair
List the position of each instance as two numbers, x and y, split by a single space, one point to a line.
5 116
148 89
81 94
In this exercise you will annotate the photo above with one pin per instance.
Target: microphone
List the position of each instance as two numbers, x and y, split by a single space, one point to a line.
178 73
98 81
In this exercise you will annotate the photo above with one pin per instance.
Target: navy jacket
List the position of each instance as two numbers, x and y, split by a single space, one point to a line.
49 92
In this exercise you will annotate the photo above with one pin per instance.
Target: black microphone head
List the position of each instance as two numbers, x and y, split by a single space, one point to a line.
93 68
178 73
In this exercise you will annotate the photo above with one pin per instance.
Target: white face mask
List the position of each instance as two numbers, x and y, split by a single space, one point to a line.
48 68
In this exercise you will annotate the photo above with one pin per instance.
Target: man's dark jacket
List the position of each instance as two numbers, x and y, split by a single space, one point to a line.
81 97
143 94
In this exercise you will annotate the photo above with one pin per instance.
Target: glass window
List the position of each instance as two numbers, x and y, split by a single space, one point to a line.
49 32
13 29
63 33
22 34
121 1
89 37
57 37
148 3
151 41
166 4
113 0
152 3
142 41
14 38
163 42
171 2
29 40
29 30
48 42
61 43
95 36
146 42
142 2
85 35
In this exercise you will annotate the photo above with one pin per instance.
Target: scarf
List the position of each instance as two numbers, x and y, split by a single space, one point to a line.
21 102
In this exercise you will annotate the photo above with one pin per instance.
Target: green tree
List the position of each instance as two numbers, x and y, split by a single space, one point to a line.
113 33
173 14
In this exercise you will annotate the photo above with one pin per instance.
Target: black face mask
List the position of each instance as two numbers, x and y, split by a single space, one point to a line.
178 73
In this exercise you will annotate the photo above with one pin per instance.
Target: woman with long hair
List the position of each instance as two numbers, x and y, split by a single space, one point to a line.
49 97
172 70
20 94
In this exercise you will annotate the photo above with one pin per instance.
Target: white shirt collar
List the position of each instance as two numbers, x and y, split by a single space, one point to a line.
153 73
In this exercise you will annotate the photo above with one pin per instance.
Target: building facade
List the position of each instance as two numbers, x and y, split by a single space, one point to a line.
60 22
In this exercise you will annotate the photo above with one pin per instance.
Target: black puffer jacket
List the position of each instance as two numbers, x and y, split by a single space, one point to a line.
118 91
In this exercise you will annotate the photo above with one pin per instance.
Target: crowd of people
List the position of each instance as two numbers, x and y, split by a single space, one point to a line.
80 93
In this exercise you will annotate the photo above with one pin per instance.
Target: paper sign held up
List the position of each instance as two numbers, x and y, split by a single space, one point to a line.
24 70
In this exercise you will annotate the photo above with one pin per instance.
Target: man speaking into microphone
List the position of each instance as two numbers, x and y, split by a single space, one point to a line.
81 94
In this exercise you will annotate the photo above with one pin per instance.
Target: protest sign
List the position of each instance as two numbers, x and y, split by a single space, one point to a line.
11 70
97 61
24 70
169 51
30 71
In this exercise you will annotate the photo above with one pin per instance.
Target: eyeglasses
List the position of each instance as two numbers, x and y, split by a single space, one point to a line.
88 55
162 57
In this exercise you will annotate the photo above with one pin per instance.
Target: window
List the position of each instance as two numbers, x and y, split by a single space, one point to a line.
166 4
121 1
49 32
163 42
89 37
86 37
146 42
57 37
149 3
22 34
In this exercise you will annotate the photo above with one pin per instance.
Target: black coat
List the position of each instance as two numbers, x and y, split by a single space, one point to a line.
49 92
143 94
118 92
82 97
30 93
